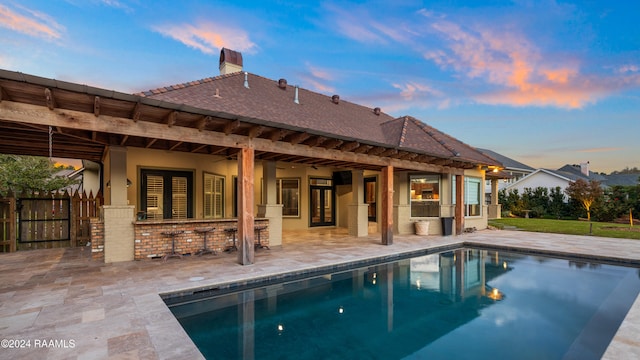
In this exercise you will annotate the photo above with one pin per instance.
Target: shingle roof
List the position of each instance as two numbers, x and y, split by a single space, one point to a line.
266 102
508 163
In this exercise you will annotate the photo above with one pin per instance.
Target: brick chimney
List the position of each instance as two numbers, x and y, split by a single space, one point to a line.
230 61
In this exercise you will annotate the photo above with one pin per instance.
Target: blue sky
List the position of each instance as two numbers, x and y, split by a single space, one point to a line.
547 83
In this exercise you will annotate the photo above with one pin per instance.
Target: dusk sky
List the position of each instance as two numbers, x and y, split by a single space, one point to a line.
547 83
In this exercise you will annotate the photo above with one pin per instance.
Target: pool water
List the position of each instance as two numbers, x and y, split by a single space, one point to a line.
462 304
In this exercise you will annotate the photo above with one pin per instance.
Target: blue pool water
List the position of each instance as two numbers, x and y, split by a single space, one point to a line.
462 304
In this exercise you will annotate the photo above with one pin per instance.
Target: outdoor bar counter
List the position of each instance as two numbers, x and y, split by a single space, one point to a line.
160 238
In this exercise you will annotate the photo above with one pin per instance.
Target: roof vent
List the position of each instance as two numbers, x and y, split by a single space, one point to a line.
376 111
335 99
295 99
230 61
246 79
282 84
217 94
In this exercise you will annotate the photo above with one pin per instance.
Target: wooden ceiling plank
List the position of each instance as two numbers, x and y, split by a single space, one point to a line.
198 148
150 143
176 145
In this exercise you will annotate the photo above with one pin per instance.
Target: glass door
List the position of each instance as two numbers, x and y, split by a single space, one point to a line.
370 195
321 203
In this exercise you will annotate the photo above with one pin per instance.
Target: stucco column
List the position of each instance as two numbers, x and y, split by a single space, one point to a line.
118 216
495 210
358 219
246 251
270 209
401 207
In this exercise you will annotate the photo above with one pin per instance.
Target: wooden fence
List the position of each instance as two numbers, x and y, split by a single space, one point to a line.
49 220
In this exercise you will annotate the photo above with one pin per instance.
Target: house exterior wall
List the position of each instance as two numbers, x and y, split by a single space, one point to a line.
478 222
539 179
138 158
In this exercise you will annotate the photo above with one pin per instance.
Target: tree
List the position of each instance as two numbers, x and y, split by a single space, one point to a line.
20 173
585 192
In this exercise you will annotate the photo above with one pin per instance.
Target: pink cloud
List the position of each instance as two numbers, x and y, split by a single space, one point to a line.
208 37
317 78
30 22
508 60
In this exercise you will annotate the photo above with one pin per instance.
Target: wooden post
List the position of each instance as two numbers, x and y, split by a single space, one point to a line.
246 250
387 205
459 211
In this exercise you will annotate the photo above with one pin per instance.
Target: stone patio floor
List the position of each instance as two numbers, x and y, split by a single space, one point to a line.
70 307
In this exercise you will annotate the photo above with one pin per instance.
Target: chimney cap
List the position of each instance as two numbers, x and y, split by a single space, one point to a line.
230 56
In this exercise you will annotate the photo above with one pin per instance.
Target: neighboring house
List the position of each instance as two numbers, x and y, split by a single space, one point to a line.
238 148
86 179
551 179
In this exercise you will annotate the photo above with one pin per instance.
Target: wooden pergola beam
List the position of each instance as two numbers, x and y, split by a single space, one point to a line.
231 126
255 131
299 137
40 115
171 118
96 106
135 114
49 99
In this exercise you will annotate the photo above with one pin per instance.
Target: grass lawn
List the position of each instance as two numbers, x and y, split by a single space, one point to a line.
573 227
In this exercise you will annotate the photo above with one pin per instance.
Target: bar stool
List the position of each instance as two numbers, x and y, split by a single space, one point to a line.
233 232
259 245
173 252
205 250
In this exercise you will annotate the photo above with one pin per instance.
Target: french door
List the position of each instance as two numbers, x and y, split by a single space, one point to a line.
321 202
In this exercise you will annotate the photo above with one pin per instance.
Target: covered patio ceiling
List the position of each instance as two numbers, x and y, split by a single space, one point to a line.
84 121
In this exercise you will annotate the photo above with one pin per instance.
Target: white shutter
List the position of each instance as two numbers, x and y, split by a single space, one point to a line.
179 198
472 191
154 197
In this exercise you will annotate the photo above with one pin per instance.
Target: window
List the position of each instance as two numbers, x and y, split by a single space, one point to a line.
166 194
213 196
425 195
288 194
472 195
472 192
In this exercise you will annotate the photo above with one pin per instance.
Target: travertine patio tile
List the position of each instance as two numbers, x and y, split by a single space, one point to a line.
114 311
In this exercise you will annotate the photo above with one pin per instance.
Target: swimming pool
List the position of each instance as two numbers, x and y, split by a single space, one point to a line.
467 303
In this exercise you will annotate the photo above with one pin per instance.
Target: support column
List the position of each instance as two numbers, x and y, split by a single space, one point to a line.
118 216
402 209
246 249
495 210
270 209
358 218
387 205
459 210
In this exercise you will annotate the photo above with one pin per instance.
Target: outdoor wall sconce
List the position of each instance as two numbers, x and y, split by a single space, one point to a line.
129 183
